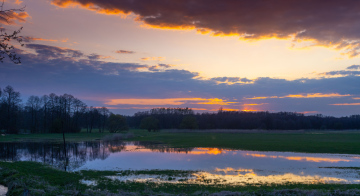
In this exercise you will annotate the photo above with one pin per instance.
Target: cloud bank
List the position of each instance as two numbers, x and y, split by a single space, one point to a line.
330 23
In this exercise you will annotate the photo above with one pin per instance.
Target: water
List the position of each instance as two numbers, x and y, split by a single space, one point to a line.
213 164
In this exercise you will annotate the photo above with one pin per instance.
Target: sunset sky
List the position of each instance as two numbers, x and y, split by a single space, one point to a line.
134 55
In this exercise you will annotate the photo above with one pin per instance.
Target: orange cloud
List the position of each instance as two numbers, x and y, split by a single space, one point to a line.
215 101
13 16
202 109
304 95
345 104
271 97
317 95
253 104
309 112
124 52
18 2
90 6
153 58
230 110
171 101
246 110
28 38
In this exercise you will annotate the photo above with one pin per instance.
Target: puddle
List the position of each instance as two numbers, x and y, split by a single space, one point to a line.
89 182
3 190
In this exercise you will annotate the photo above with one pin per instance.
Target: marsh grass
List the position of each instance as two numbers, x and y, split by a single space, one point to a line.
40 179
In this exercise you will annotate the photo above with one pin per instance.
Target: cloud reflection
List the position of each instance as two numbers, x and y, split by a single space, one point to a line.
298 158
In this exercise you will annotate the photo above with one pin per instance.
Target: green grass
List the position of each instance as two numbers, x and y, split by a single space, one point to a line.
44 180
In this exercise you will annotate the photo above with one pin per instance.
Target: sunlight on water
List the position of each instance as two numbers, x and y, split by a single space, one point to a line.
251 177
295 158
209 165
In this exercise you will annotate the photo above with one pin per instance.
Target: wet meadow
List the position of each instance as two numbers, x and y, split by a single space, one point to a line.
138 162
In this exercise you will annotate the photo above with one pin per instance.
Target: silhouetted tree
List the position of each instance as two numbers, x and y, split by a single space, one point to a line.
189 122
11 105
150 123
33 106
104 114
116 123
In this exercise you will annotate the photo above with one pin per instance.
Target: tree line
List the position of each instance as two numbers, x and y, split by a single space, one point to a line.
65 113
185 118
53 114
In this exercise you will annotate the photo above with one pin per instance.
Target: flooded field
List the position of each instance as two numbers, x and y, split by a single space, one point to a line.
206 165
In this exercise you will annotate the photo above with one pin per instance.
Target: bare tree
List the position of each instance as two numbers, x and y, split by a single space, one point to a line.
33 105
12 101
7 49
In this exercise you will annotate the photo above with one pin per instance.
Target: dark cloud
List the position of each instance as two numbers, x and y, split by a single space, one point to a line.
124 52
342 72
353 67
353 71
159 67
231 80
164 65
98 57
330 23
245 80
53 52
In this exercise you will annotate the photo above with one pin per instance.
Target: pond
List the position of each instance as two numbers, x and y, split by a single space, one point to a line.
212 165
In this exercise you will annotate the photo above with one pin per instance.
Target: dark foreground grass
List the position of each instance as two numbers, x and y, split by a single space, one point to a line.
43 180
326 142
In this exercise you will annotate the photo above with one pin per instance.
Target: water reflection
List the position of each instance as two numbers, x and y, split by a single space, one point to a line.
300 158
216 165
53 154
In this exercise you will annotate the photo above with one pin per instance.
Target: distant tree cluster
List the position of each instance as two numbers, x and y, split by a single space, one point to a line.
185 118
164 118
53 114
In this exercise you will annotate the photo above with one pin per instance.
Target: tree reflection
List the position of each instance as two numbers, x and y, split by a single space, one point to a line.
77 153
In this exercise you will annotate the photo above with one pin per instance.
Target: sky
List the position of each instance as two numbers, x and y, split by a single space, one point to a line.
134 55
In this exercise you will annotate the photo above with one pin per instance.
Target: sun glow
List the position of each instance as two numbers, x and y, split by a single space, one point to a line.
171 101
